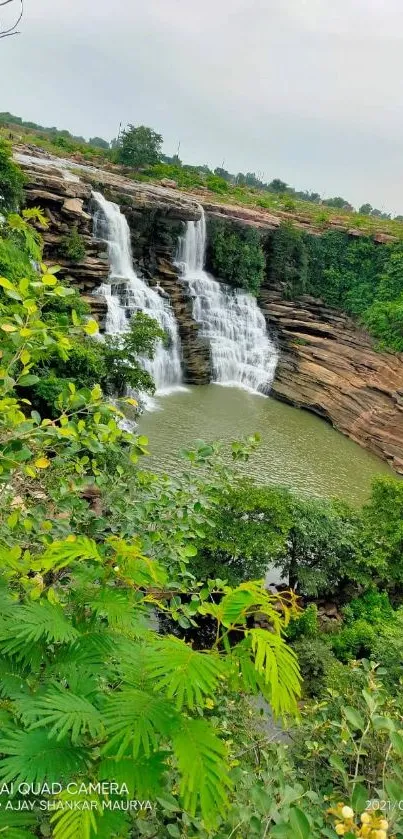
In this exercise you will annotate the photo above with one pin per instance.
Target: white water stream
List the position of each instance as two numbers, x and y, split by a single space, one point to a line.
242 353
126 293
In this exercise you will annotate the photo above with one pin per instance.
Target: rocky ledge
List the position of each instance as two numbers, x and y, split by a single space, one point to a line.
329 366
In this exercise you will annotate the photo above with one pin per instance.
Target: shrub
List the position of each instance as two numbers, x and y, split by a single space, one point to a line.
72 246
11 180
306 624
354 641
217 184
315 660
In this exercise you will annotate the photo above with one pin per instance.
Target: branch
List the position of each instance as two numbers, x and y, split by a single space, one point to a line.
7 33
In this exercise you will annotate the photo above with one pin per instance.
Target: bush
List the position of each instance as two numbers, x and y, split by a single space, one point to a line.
306 624
11 180
72 246
354 641
217 184
235 254
316 661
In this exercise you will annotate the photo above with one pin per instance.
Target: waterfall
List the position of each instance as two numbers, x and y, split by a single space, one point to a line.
241 351
126 294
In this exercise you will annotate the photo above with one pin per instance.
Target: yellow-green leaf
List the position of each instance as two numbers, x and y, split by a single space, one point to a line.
8 327
42 463
5 283
49 279
25 357
91 327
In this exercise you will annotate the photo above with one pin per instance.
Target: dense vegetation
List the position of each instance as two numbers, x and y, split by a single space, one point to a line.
235 255
134 647
353 274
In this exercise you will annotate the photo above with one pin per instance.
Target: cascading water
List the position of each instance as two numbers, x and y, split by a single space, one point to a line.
126 294
241 351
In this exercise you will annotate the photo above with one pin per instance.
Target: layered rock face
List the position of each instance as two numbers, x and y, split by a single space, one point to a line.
329 366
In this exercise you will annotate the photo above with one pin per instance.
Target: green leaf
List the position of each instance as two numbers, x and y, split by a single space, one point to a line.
142 776
397 742
184 674
278 664
31 757
394 790
201 759
168 802
354 718
300 823
359 798
91 327
136 720
62 553
28 380
34 622
65 714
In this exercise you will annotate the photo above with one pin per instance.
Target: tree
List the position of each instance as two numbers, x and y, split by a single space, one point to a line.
98 142
12 30
277 185
365 209
139 146
338 203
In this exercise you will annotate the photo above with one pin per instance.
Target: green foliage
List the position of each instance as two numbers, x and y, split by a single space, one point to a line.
251 526
287 260
382 539
72 246
316 661
122 353
354 641
88 684
385 321
11 180
217 184
98 142
322 546
139 146
306 624
235 254
355 275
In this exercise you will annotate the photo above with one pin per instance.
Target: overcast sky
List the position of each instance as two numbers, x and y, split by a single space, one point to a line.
310 91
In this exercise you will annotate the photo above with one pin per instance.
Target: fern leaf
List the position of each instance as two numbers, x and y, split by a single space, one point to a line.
201 759
36 622
278 664
15 824
31 757
117 607
13 682
182 672
88 824
77 823
141 570
60 554
65 713
136 720
143 776
237 605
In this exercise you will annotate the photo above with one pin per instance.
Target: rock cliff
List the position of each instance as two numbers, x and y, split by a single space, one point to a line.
329 366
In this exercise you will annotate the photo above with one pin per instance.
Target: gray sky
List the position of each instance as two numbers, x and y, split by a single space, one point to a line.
310 91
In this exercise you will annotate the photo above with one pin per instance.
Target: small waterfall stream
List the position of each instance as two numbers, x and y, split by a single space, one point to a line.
242 353
126 294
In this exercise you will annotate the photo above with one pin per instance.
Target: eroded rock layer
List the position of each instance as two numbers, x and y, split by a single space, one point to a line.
329 366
